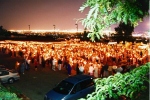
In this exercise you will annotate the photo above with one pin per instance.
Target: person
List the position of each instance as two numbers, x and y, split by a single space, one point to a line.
110 69
69 69
27 66
101 75
95 70
114 68
53 64
119 69
43 62
105 70
22 68
35 64
17 66
86 67
40 60
91 69
59 63
128 67
81 68
65 62
50 61
77 69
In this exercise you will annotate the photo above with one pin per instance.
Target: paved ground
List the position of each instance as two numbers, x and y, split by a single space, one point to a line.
34 84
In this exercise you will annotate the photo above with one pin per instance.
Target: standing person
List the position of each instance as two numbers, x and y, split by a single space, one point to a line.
106 70
35 64
81 68
102 71
59 63
50 61
77 69
65 62
40 60
86 67
27 66
110 70
119 69
91 70
43 62
114 67
95 70
53 64
17 66
22 68
69 69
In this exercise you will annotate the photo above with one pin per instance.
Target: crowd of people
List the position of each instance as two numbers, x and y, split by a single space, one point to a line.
96 59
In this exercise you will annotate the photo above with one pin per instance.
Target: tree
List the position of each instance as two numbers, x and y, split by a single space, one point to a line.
4 32
124 31
104 13
1 28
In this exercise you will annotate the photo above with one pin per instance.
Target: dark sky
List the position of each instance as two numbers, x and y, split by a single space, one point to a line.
43 14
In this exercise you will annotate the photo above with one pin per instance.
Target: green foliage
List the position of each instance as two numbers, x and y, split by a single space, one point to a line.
128 85
5 94
8 96
104 13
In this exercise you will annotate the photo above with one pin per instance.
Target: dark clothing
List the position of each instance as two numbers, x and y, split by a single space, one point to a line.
22 68
27 66
69 69
102 72
105 67
65 65
77 69
59 61
43 62
113 59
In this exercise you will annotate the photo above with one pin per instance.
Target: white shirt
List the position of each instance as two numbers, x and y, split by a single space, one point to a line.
81 68
91 69
53 62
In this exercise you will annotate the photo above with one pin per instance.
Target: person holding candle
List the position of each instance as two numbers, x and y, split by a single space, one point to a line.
91 69
81 68
17 66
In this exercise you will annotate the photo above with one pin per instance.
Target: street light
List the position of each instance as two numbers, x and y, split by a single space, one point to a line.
54 27
77 27
29 27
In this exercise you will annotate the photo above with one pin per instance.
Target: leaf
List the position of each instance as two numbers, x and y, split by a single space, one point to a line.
97 35
140 12
96 11
125 19
129 91
108 6
131 94
91 12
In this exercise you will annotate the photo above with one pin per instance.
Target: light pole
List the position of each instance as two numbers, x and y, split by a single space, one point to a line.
54 27
29 27
77 27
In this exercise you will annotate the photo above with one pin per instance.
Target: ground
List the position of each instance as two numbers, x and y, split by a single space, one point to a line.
34 84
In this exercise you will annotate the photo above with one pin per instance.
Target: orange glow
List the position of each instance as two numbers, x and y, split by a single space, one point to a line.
42 31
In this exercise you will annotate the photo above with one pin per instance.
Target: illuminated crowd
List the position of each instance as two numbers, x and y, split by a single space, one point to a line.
89 57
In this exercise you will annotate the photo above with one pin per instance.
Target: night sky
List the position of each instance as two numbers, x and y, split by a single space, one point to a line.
43 14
